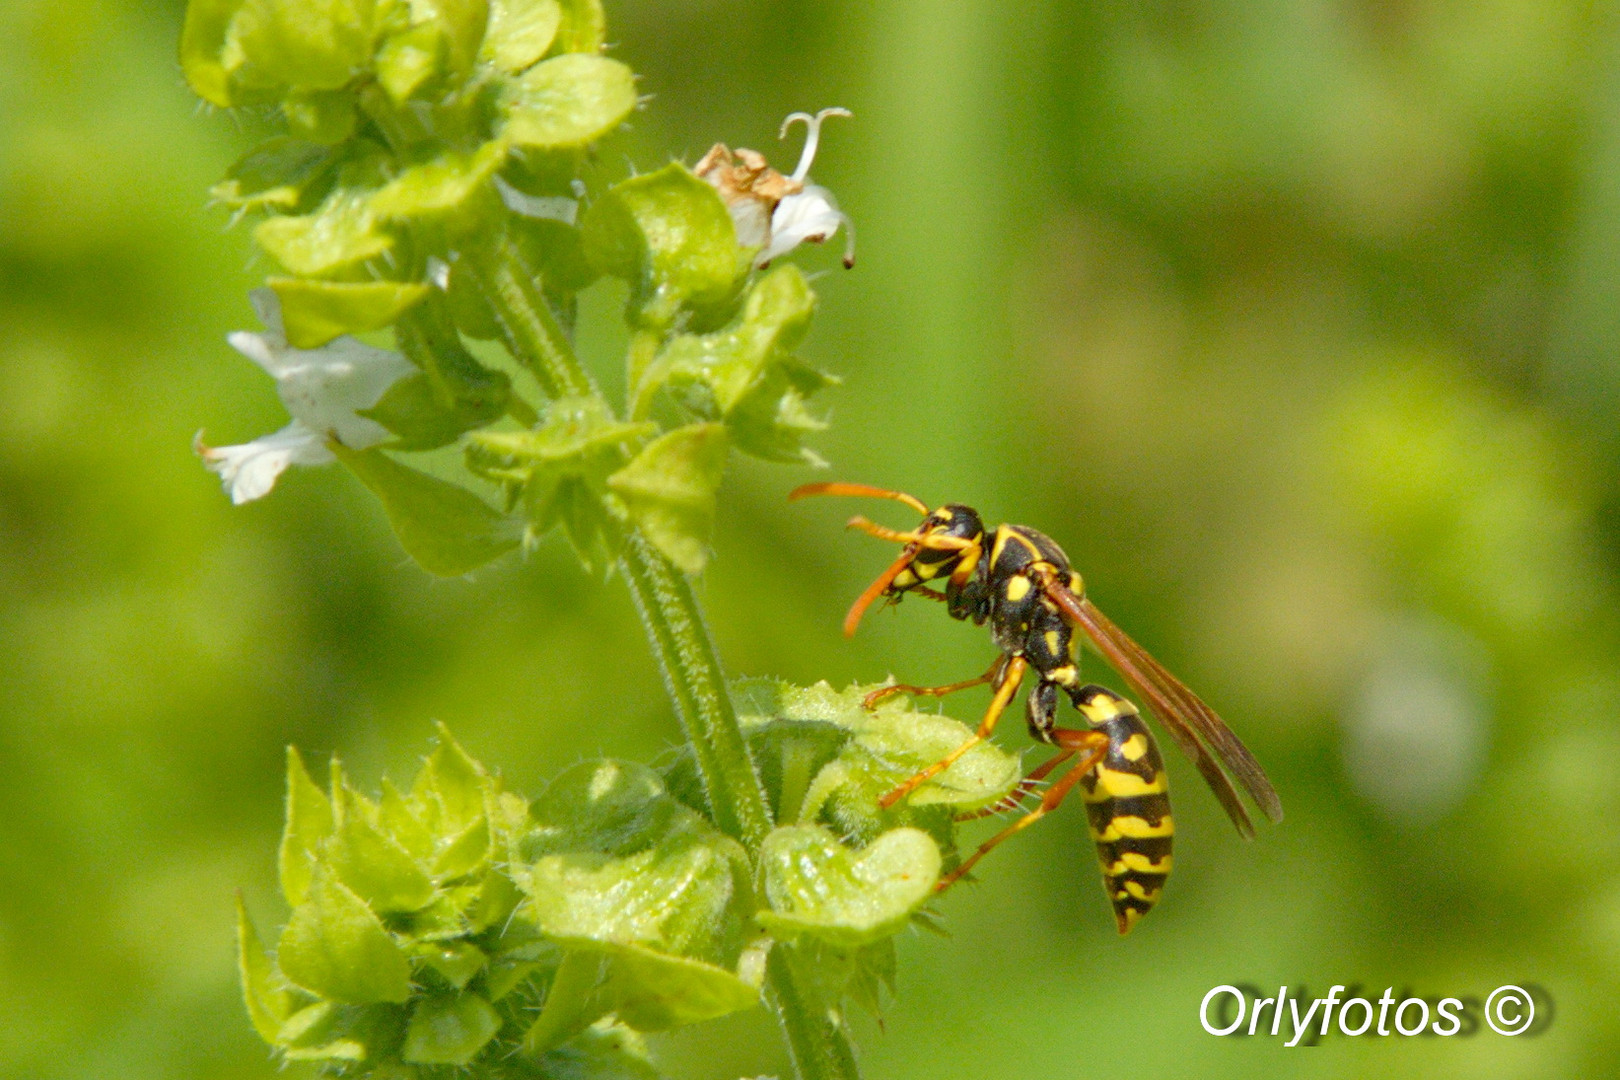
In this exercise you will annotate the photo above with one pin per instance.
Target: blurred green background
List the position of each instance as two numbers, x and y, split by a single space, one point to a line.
1295 322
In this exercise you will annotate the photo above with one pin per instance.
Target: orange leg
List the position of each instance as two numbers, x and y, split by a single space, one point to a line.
870 701
1091 746
1011 676
1026 787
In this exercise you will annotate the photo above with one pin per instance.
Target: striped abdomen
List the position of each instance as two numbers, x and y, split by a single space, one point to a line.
1128 806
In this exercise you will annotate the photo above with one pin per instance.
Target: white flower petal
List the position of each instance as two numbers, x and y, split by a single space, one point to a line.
267 306
810 217
325 387
753 222
250 470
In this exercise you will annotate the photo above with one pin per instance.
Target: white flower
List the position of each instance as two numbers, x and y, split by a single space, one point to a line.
777 213
322 388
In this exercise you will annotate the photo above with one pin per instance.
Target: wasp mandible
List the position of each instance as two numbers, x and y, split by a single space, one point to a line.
1020 582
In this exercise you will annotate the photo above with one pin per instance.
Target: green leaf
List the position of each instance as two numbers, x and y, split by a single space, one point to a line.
341 232
746 373
315 312
567 101
328 1031
465 853
556 249
317 1033
560 468
520 32
334 946
599 1053
456 783
268 1002
449 1029
274 174
457 961
669 234
576 432
408 59
584 27
613 857
308 824
817 886
675 897
669 491
379 870
442 188
453 394
327 117
397 816
447 529
463 23
202 41
308 44
645 989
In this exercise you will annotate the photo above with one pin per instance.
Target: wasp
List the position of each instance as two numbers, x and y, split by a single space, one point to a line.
1020 582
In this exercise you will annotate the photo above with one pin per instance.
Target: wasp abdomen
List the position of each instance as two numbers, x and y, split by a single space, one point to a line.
1128 807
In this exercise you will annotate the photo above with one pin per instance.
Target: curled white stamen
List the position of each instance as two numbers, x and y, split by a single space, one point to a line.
811 139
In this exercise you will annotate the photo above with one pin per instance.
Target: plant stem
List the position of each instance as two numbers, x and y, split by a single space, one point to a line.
815 1039
681 641
528 327
680 638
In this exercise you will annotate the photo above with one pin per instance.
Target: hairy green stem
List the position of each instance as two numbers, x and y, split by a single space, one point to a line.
528 327
815 1038
685 651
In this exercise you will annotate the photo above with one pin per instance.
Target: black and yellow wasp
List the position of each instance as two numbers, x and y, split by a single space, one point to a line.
1020 582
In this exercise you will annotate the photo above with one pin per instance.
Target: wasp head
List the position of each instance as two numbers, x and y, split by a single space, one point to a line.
947 537
946 546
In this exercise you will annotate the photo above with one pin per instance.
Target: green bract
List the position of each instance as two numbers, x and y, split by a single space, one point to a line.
669 235
567 101
827 760
819 887
315 312
408 942
746 374
447 529
669 491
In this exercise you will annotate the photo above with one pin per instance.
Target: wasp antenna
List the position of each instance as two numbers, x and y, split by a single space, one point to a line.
860 490
875 590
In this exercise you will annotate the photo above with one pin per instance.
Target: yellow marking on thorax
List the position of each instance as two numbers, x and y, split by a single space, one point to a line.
1134 747
1016 588
1134 827
1052 642
1001 542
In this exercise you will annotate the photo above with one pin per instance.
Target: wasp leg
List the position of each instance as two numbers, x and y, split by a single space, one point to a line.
870 701
1091 746
1026 787
935 541
1011 676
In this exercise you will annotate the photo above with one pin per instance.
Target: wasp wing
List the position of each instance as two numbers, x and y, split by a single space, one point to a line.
1205 721
1181 711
